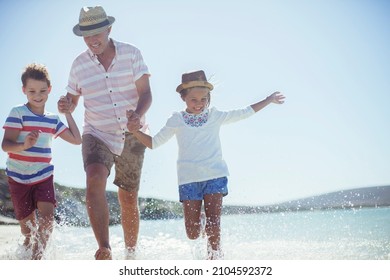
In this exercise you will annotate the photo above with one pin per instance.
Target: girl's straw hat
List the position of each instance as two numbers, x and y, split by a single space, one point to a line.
92 21
194 79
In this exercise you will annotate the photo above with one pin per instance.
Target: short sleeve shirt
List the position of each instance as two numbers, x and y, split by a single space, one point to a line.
33 165
108 94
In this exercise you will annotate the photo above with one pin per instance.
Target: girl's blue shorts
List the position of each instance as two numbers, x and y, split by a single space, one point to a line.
196 190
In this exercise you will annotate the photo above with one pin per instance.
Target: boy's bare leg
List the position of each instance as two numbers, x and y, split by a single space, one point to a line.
28 230
45 228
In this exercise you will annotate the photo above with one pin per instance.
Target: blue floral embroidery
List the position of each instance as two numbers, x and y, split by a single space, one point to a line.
195 120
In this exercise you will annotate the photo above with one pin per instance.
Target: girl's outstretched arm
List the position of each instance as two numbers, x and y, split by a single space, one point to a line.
276 98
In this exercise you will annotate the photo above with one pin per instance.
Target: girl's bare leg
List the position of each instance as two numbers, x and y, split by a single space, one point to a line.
213 209
192 210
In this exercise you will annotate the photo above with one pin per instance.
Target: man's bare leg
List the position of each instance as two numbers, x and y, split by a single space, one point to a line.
130 218
97 206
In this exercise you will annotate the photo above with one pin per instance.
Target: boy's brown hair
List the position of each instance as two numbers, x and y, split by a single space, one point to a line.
37 72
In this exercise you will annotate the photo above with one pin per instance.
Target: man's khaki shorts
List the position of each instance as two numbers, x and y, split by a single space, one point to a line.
128 165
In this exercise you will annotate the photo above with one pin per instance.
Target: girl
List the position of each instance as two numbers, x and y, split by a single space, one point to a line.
202 172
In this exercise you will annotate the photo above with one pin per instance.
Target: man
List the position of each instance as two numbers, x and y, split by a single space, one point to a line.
113 78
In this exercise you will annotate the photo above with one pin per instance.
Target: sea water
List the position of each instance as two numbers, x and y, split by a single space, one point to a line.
346 234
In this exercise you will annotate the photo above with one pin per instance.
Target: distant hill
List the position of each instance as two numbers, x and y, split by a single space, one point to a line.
353 198
71 208
345 199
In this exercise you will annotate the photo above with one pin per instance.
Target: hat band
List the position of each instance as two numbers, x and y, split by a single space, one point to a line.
94 26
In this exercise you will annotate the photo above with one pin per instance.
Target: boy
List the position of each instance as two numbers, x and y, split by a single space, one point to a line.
29 130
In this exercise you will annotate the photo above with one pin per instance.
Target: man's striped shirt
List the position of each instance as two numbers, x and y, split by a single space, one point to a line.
108 94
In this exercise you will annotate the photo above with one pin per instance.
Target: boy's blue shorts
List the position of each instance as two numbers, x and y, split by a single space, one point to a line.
196 190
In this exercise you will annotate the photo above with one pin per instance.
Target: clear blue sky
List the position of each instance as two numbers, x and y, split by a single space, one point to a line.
330 59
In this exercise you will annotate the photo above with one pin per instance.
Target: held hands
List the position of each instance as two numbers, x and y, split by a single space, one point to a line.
64 105
276 98
133 121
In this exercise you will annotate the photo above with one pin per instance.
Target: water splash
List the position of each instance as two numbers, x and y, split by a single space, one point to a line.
319 235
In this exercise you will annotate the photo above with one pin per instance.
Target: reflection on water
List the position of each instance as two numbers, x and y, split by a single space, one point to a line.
362 234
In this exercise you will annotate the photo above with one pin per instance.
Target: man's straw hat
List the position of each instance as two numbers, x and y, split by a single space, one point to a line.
92 21
194 79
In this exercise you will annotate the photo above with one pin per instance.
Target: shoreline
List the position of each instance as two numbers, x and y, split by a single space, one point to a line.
9 238
8 221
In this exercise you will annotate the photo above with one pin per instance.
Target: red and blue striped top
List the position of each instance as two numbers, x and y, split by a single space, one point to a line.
33 165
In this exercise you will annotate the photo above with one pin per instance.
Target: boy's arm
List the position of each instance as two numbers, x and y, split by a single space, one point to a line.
10 143
276 98
143 138
71 135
